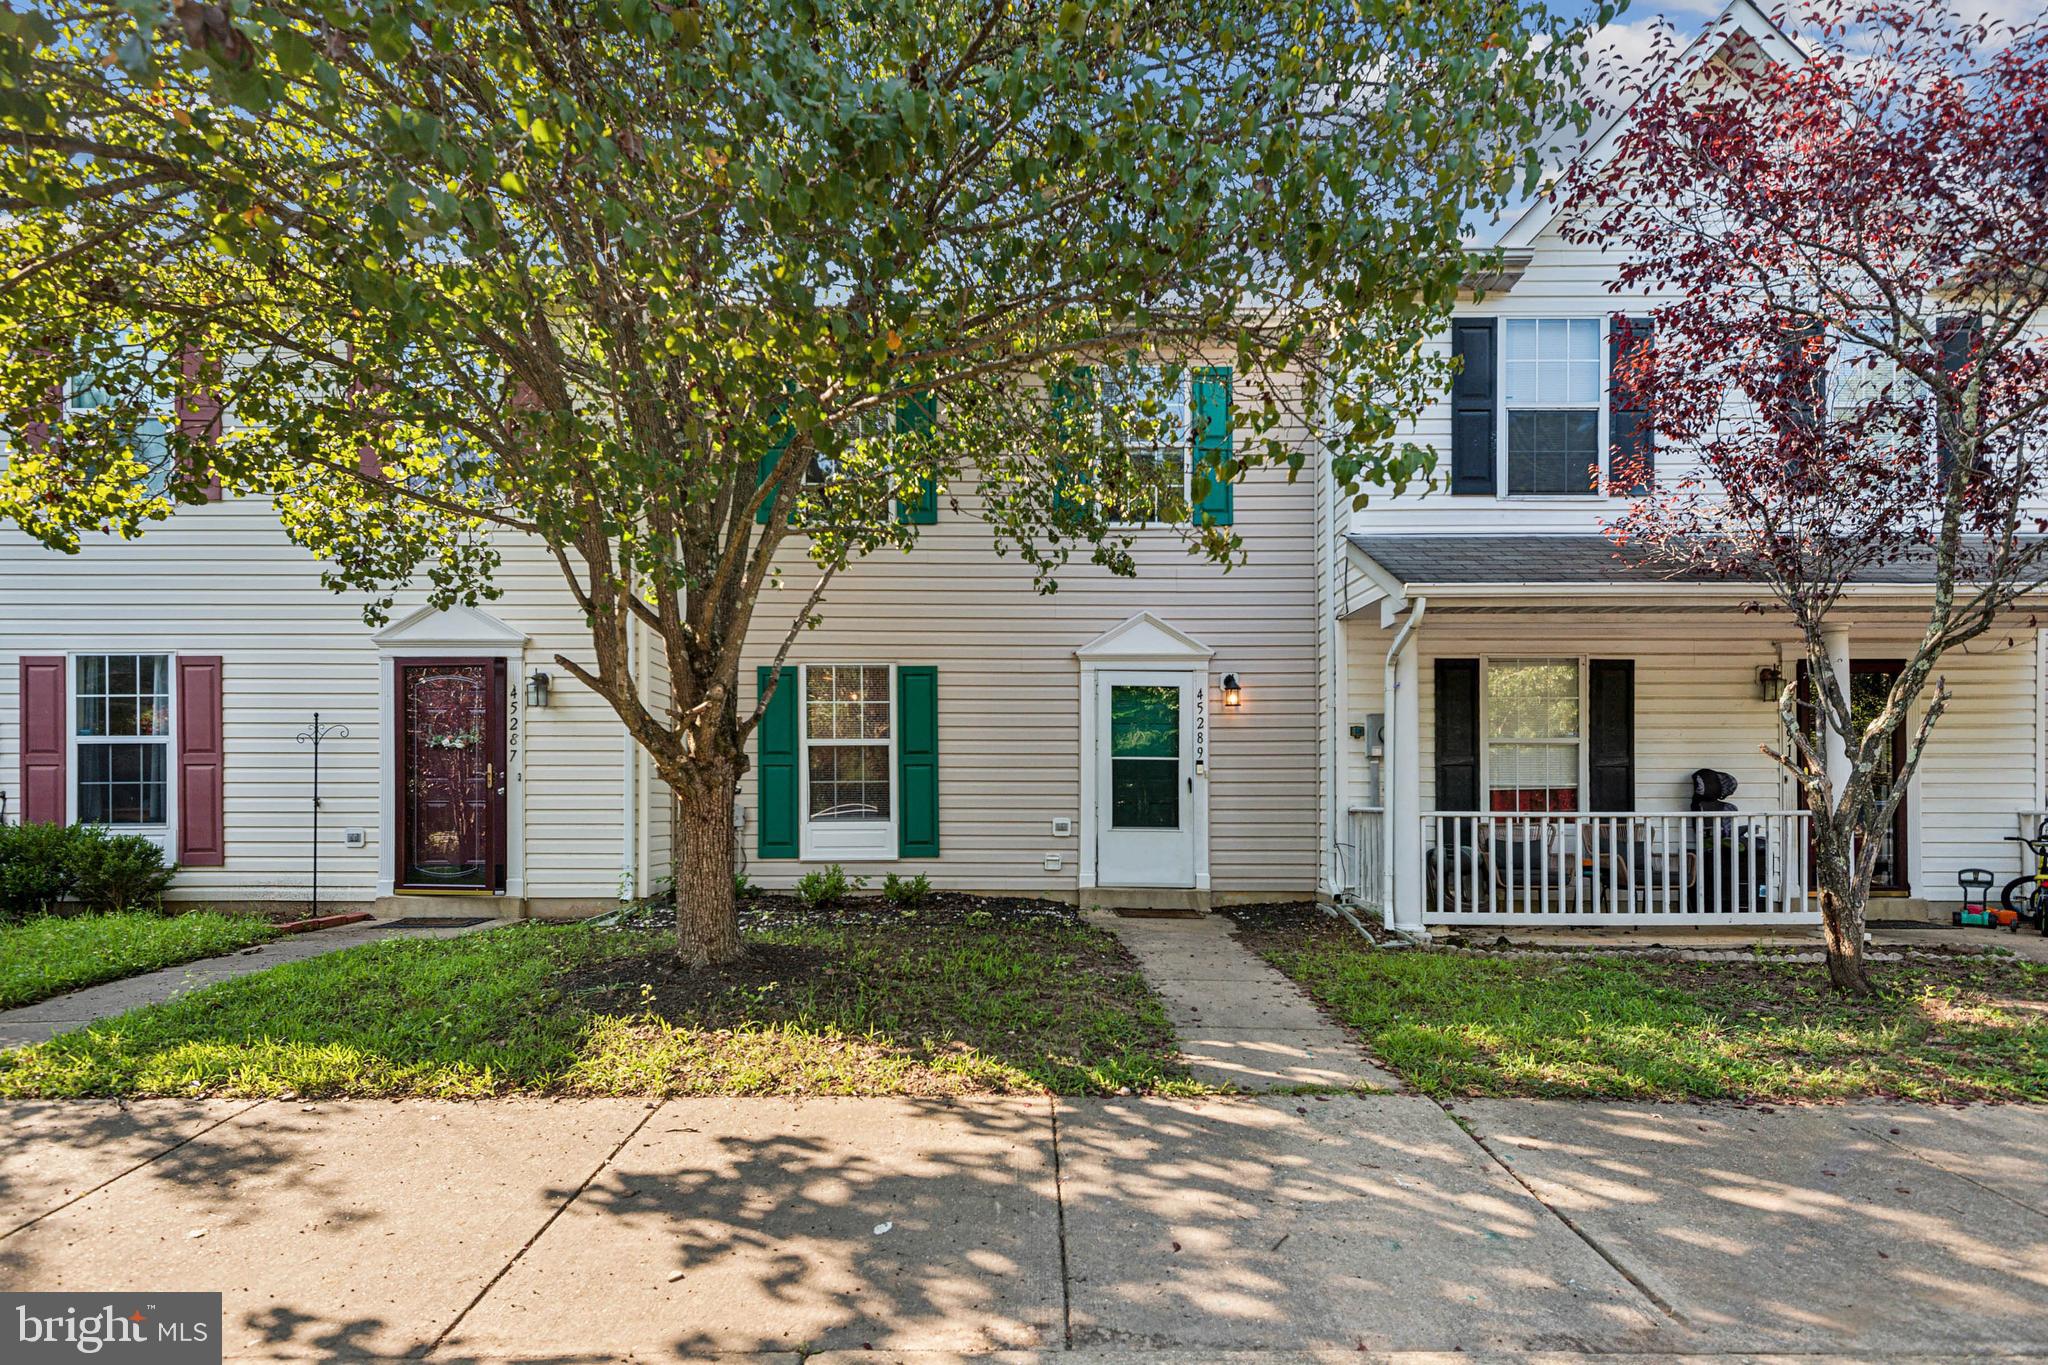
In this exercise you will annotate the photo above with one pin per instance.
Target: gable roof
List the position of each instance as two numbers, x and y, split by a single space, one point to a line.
1741 21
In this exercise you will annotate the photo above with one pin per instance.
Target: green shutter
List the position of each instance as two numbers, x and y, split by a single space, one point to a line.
917 761
775 770
1214 494
1071 399
919 413
769 459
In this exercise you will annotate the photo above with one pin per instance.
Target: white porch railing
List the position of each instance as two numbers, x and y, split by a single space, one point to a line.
1362 856
1705 867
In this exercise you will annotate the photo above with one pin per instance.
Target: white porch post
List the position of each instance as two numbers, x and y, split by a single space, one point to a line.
1836 639
1402 801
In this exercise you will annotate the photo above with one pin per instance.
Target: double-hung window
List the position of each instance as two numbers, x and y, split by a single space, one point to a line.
1533 734
148 433
121 737
849 730
1553 370
1865 381
1147 416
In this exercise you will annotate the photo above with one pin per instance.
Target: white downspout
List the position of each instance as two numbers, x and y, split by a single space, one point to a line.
1417 607
629 787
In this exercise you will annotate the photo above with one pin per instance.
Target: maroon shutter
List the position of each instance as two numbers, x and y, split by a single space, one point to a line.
43 740
199 411
35 432
200 762
367 463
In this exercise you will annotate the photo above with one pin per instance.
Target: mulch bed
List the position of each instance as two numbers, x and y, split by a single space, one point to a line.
775 910
659 982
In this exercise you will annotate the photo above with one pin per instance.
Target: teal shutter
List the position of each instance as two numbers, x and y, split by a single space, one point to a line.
917 761
1070 399
769 459
766 466
1214 495
919 413
775 770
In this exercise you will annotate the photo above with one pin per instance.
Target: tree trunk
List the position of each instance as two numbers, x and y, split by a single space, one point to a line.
707 919
1841 920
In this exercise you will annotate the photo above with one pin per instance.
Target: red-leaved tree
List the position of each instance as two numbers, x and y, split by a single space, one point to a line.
1853 250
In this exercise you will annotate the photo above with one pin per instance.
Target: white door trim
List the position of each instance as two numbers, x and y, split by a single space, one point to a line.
1142 642
469 633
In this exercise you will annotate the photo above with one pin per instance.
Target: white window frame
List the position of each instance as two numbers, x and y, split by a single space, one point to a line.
1840 372
806 483
845 840
157 478
1486 741
159 833
1600 405
1183 399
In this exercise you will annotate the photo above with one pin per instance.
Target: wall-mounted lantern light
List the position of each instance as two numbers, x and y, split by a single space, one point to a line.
1769 682
537 689
1233 695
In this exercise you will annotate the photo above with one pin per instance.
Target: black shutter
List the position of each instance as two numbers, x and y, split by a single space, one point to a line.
1474 405
1630 436
1804 401
1957 337
1611 734
1457 734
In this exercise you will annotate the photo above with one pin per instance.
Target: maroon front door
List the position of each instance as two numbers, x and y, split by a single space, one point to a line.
451 759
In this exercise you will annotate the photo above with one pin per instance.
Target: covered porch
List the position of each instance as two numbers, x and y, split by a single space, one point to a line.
1539 732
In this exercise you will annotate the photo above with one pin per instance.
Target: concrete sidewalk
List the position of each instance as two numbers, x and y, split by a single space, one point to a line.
1240 1022
46 1019
1273 1228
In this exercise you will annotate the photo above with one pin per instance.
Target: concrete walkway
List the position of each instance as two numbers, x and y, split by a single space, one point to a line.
1140 1230
60 1014
1240 1021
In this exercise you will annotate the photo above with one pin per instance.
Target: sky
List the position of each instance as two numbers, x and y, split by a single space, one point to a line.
1628 42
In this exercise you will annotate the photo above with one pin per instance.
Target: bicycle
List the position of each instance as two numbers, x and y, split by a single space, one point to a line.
2027 894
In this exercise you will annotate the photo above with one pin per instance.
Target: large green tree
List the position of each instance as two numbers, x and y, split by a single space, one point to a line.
622 275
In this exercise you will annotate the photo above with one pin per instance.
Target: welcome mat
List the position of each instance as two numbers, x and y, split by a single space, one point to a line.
436 922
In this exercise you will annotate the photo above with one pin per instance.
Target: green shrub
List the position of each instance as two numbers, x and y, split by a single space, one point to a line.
827 886
743 887
118 872
44 865
908 892
36 868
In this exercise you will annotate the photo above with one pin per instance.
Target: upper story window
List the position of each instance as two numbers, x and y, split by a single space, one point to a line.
1863 377
1551 390
122 735
1149 415
148 434
1530 407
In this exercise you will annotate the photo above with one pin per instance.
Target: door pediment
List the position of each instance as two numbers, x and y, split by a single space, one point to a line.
455 629
1144 639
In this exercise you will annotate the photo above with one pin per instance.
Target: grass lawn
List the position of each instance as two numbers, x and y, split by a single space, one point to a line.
1964 1029
50 955
852 1004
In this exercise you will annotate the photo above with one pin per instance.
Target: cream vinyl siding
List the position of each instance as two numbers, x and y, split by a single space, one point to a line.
1009 687
1697 707
221 579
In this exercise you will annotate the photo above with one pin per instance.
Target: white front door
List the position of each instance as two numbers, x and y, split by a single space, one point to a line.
1145 777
